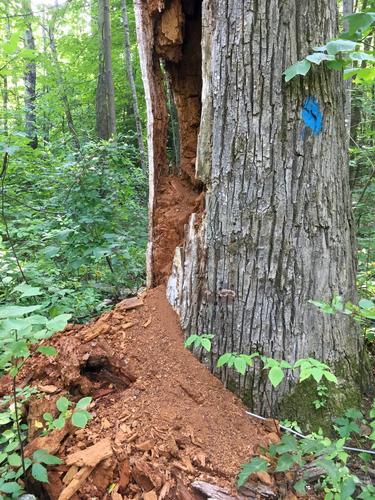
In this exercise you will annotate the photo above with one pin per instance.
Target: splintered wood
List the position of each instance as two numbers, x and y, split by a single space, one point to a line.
92 455
87 459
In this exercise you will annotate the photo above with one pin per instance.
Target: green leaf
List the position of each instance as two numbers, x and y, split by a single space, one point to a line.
11 487
276 375
358 23
366 304
39 472
361 56
80 419
206 343
286 462
240 365
300 486
62 404
48 417
14 460
300 68
330 376
347 488
59 422
83 403
27 290
223 360
190 340
19 349
336 46
319 57
16 311
42 456
47 350
257 464
58 323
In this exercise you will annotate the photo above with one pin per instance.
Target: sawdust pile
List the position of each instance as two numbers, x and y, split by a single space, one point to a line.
160 420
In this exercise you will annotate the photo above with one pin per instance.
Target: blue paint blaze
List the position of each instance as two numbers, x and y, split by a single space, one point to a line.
312 116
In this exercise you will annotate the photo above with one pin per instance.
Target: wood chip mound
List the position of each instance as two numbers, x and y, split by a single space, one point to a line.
163 427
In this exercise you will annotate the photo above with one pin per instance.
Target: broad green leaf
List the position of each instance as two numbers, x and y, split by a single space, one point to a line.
330 376
300 486
319 57
19 349
288 444
206 343
190 340
83 403
16 311
48 417
62 404
366 304
361 56
14 460
240 365
358 24
257 464
59 422
276 375
286 462
39 472
42 456
11 487
80 419
336 46
59 323
347 488
27 290
224 358
47 350
300 68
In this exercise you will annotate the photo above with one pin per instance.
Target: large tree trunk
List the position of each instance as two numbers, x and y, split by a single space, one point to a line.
105 93
30 84
129 70
277 228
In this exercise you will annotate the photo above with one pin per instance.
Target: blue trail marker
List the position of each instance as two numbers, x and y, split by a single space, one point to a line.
312 116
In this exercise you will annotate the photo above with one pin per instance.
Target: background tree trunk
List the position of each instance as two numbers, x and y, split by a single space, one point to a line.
30 85
129 70
105 94
62 89
277 229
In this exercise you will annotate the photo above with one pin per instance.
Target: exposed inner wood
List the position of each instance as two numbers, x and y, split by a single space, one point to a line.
171 39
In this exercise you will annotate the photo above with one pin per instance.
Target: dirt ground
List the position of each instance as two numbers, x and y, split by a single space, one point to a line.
160 420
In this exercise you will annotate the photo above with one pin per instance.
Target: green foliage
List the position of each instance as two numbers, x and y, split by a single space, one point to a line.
343 53
257 464
203 341
78 415
363 313
337 482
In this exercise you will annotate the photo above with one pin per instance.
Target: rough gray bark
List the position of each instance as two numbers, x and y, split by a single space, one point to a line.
30 84
277 229
129 70
105 93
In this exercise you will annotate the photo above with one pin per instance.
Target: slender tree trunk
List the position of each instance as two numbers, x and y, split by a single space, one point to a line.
105 94
5 96
129 69
347 8
62 89
30 85
277 229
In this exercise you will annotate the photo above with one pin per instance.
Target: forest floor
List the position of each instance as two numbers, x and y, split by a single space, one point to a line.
161 420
